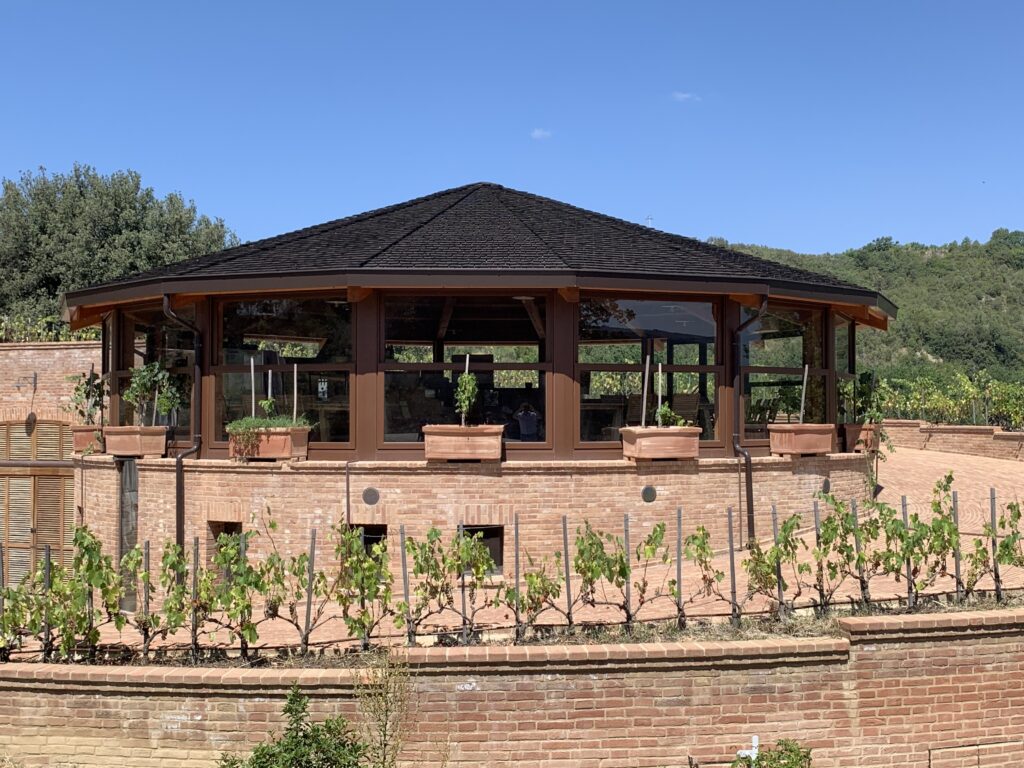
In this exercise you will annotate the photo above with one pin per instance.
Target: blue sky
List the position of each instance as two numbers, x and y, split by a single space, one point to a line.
809 125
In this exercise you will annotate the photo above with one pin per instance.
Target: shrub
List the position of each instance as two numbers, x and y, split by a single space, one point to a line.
330 744
785 754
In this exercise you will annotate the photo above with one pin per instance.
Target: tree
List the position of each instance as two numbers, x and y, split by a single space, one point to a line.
59 232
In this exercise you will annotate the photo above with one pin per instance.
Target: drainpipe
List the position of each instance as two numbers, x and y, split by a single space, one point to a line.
737 380
197 422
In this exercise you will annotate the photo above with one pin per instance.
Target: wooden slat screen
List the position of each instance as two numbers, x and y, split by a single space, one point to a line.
36 504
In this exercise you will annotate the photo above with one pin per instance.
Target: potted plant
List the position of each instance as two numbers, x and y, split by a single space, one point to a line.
798 438
673 438
861 435
270 437
86 401
459 442
153 388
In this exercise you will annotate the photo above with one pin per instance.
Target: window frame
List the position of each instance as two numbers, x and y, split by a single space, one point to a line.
544 366
217 368
717 368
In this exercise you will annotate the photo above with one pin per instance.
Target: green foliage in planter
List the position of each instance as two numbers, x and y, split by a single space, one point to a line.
86 397
666 417
245 432
303 744
152 384
785 754
465 395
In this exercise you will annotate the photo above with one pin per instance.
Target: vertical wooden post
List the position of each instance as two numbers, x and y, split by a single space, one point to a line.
680 610
865 594
627 588
907 564
956 550
410 631
734 612
519 625
565 558
996 576
310 574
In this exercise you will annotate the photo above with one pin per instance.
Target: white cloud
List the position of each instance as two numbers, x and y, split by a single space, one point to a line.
683 96
539 134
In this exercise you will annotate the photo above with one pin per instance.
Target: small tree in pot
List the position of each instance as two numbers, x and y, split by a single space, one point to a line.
453 442
155 390
86 404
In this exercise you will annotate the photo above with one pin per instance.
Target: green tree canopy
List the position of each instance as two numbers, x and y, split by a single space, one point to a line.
961 305
59 232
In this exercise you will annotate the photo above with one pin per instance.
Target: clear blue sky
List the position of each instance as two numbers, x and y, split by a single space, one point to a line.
809 125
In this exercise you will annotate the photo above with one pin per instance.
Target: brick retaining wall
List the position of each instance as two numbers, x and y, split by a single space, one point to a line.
931 691
992 442
312 494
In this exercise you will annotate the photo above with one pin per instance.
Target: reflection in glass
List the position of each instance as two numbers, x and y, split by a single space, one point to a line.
413 399
773 398
843 332
613 399
286 330
613 331
323 400
782 338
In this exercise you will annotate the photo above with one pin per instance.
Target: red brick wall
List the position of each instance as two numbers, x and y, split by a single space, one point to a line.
935 691
312 494
973 440
52 363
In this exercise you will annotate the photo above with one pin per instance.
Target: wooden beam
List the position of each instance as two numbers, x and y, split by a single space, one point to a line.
446 317
571 295
534 313
357 293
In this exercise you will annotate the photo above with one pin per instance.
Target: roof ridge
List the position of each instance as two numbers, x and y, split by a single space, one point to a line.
472 188
522 221
319 229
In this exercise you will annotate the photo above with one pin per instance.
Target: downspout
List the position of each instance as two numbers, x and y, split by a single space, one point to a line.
737 379
197 422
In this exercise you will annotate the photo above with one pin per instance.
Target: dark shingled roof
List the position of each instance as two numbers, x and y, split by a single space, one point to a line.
485 228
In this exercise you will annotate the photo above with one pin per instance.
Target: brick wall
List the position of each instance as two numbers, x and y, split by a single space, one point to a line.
932 691
313 494
51 363
992 442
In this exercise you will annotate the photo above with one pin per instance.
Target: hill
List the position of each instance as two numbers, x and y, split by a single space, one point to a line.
961 305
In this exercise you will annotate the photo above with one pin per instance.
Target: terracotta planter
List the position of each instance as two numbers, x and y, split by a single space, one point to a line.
85 439
861 438
136 442
660 442
275 443
451 442
801 439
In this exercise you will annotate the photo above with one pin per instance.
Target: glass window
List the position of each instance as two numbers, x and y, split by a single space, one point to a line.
843 340
618 336
614 331
148 335
443 326
413 399
775 398
323 400
782 338
613 399
286 331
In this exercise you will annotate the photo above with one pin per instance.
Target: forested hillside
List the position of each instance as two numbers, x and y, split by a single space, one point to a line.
961 305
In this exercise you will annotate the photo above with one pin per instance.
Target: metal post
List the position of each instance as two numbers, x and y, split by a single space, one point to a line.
996 577
627 588
865 594
780 593
462 588
820 576
46 602
907 564
409 629
565 558
146 581
515 535
680 614
734 613
956 549
310 574
195 597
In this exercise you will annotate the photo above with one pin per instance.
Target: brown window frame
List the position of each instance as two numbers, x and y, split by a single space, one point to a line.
717 303
217 368
544 368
